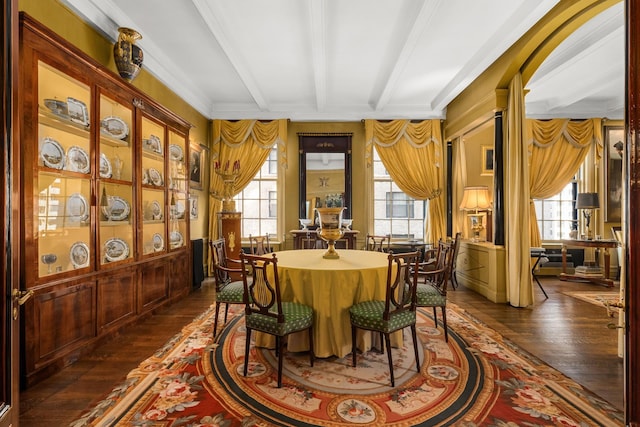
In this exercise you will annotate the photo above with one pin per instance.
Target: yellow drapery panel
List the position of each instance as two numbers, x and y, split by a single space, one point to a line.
459 182
519 282
247 141
557 149
412 153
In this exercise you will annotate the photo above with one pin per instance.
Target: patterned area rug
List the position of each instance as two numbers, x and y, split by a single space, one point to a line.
477 379
601 299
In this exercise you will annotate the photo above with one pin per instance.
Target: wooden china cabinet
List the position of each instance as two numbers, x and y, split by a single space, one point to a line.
104 192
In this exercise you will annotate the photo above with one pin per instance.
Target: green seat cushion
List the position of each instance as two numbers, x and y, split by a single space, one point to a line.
428 296
232 293
368 315
297 317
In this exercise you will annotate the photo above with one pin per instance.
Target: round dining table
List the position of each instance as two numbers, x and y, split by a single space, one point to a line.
331 287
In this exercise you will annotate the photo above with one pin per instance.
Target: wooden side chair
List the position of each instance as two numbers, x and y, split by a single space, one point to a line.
377 243
396 312
259 245
266 312
228 291
310 241
432 285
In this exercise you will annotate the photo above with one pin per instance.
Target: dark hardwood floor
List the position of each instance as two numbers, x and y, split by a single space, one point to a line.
567 333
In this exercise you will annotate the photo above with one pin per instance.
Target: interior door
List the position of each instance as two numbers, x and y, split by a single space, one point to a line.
9 259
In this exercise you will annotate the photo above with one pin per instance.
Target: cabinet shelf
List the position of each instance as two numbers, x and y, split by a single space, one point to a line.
47 118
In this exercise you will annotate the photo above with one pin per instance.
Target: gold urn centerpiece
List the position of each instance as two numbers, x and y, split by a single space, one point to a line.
330 228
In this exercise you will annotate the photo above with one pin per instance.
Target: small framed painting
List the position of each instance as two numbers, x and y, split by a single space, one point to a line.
487 160
197 165
613 159
193 207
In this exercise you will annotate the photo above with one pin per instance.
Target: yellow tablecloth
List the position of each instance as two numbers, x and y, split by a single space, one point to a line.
331 287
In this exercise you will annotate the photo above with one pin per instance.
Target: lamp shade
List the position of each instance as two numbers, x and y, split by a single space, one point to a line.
475 198
587 201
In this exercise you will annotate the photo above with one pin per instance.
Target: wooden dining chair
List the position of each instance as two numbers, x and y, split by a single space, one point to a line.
266 312
259 245
228 291
309 241
377 243
432 285
396 312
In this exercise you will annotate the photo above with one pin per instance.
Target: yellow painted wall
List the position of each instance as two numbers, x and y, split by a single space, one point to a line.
65 23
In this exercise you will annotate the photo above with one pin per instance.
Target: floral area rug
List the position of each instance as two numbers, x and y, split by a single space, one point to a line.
602 299
478 378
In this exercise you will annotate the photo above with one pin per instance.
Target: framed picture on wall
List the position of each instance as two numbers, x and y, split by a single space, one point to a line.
487 160
193 207
613 158
197 165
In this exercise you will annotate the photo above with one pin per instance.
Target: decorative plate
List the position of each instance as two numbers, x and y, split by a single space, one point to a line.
152 144
78 160
155 177
52 154
116 249
79 255
156 210
114 127
77 207
175 239
78 111
57 107
178 210
118 209
145 176
158 242
105 167
175 152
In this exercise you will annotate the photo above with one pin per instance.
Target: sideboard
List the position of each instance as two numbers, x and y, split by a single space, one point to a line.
348 241
481 266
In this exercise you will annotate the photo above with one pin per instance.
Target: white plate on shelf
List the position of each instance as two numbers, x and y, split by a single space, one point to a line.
114 127
105 167
79 255
158 242
118 209
52 154
77 207
78 160
178 210
175 239
77 111
152 144
116 249
155 177
156 210
57 107
175 152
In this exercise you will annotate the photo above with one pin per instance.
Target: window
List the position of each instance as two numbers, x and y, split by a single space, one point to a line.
258 202
395 213
557 215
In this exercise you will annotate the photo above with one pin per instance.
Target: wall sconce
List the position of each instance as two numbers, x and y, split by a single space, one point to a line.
476 199
588 202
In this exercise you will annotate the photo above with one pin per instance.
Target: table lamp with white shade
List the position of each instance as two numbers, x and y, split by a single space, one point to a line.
587 202
476 199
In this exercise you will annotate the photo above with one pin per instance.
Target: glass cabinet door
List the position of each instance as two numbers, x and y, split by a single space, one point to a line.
154 230
115 189
179 202
63 173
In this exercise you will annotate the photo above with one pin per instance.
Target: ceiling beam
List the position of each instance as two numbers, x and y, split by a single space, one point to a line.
318 51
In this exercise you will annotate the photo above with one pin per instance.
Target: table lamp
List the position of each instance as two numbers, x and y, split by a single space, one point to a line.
476 199
587 202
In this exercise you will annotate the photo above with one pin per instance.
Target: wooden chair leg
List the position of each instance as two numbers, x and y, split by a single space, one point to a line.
226 310
415 346
444 324
246 351
435 317
280 346
353 344
215 322
381 343
312 355
388 341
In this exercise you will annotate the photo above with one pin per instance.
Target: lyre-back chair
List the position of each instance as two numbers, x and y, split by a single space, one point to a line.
377 243
266 312
432 284
259 245
228 291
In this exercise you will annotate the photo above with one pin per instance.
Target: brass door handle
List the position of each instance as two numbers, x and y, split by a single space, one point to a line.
21 296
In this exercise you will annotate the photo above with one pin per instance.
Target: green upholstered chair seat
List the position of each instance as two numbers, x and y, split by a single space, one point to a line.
428 296
368 315
297 317
231 293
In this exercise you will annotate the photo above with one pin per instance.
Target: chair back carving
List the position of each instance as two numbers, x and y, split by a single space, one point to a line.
221 268
261 286
259 245
454 256
401 286
377 243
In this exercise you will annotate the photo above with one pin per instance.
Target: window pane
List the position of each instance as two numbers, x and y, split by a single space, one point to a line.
557 215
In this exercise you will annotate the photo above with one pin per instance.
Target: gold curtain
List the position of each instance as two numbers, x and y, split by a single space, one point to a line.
557 149
248 142
519 282
412 153
459 182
